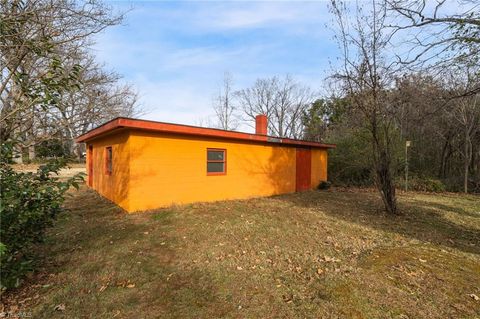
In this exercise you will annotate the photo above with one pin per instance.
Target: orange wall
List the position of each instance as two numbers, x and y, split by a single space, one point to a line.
172 169
152 170
115 186
319 166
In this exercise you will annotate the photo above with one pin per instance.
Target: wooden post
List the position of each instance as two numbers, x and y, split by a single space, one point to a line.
407 145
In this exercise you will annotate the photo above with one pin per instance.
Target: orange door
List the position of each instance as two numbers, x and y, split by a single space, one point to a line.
90 165
304 168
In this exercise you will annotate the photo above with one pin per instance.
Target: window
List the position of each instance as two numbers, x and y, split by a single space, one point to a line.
108 160
216 161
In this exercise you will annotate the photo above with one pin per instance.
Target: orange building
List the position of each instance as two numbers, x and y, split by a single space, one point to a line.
142 165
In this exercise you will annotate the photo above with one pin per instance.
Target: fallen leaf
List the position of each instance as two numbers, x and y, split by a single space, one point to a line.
288 299
239 268
131 286
60 307
474 297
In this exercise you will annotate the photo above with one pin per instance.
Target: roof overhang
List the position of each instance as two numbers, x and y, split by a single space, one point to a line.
170 128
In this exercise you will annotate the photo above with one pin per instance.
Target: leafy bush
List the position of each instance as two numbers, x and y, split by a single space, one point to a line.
29 203
455 184
423 184
350 163
52 148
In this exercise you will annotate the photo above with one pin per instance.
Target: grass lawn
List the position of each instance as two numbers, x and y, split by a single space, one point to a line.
318 254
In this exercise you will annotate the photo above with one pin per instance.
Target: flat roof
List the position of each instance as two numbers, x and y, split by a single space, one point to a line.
153 126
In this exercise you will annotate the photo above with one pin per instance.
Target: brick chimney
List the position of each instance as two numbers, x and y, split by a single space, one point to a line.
261 124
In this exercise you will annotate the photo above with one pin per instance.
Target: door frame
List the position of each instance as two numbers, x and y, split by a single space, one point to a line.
90 165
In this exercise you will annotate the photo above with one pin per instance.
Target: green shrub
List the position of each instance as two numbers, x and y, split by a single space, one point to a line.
52 148
29 203
350 163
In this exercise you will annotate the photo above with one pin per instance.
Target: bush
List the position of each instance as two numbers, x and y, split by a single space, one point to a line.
424 184
350 163
29 203
52 148
324 185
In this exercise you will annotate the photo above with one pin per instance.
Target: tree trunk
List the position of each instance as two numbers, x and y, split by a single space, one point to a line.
31 152
444 159
17 154
385 183
383 172
466 163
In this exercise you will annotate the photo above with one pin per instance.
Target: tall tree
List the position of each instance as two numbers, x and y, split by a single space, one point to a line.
465 113
223 105
44 62
439 34
319 115
364 77
282 100
101 98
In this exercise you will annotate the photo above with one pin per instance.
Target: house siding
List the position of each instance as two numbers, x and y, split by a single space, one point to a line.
153 169
115 186
171 169
319 166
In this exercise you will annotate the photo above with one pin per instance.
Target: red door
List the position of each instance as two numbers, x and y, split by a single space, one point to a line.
304 169
90 165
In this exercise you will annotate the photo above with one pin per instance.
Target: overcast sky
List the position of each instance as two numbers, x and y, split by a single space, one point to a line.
175 53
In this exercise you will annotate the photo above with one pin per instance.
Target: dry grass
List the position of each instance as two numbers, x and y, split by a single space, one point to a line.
307 255
67 172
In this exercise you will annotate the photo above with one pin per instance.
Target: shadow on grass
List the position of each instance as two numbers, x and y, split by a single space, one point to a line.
97 250
450 208
421 220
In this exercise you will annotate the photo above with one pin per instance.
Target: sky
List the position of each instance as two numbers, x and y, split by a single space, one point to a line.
175 53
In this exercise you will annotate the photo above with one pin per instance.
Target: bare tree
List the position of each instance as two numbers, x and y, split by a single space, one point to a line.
205 121
49 84
223 105
364 78
282 100
468 116
465 114
33 32
434 36
101 98
444 40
